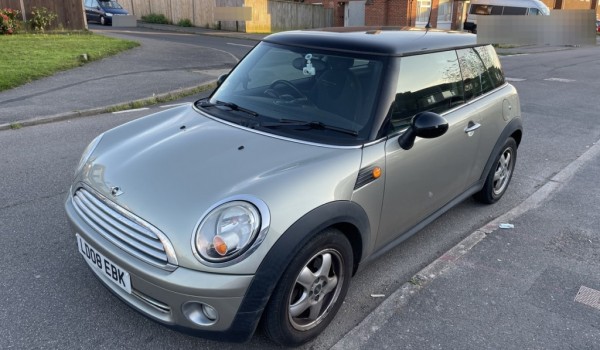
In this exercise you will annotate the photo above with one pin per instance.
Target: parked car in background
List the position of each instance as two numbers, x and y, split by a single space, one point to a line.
102 11
502 8
598 26
319 152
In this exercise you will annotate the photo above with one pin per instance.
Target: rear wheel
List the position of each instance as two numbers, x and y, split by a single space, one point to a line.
311 290
500 174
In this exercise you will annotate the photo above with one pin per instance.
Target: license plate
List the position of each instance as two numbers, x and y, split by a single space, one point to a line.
106 267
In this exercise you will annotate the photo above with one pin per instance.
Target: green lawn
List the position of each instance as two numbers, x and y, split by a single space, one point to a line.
26 57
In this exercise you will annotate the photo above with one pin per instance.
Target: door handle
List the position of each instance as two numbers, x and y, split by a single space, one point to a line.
472 127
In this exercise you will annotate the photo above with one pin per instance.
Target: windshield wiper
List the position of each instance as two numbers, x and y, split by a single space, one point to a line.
309 124
231 105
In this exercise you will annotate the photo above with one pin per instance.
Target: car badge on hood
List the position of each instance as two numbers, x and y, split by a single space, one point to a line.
116 191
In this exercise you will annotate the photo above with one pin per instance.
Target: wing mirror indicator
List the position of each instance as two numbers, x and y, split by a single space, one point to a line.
427 125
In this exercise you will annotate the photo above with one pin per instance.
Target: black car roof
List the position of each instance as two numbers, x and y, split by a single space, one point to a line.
394 41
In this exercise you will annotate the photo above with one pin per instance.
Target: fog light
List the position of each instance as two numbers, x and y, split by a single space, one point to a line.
209 312
200 313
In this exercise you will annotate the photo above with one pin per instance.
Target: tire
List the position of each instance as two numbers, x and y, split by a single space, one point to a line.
102 20
308 296
500 174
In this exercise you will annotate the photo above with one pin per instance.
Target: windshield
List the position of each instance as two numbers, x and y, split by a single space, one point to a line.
110 4
308 94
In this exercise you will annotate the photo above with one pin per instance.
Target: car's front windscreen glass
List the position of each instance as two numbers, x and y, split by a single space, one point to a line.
308 94
111 4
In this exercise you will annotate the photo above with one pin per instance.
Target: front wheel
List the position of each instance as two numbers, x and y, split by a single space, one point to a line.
500 174
311 290
103 20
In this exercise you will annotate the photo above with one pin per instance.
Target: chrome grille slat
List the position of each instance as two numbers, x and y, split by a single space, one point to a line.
127 233
106 220
115 215
115 237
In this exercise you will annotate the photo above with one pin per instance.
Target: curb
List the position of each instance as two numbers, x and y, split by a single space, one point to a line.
359 335
147 101
193 30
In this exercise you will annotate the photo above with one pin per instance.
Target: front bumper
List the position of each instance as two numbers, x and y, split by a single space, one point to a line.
173 298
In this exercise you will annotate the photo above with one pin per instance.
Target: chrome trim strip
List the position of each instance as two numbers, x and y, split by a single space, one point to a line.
152 302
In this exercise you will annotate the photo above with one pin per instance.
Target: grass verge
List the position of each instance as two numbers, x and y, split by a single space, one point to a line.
26 57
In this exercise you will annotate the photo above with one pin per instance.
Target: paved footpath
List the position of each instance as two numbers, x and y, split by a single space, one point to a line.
535 286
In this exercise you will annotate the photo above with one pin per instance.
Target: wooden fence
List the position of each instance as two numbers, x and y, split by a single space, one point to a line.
70 14
267 15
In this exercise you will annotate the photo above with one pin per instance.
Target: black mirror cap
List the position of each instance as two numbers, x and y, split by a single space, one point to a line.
427 125
221 79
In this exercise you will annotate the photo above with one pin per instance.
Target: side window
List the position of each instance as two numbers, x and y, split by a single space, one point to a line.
436 88
511 10
476 78
497 10
481 9
492 64
534 12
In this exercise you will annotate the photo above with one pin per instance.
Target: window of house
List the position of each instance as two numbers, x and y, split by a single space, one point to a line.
438 88
423 9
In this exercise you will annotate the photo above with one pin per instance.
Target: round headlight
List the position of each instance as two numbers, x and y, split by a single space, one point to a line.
227 231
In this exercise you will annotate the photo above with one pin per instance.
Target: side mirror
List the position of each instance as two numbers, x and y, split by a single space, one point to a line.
221 79
427 125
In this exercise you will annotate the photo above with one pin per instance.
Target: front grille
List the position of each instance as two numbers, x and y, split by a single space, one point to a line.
123 229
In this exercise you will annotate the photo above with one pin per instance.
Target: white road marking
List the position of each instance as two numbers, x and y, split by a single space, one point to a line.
240 45
560 80
514 79
589 297
131 110
175 105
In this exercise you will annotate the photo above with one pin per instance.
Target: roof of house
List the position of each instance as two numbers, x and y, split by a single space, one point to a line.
393 41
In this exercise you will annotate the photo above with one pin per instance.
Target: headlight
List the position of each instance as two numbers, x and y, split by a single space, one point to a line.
88 152
108 14
227 231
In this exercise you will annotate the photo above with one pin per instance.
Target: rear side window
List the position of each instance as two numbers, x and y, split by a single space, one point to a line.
481 9
477 80
511 10
437 88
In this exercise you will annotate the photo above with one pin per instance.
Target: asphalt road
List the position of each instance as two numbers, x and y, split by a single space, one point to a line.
50 299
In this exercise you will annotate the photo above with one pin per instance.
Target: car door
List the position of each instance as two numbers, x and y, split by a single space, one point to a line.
421 180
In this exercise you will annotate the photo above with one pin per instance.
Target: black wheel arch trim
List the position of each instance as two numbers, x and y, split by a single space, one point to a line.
514 126
334 214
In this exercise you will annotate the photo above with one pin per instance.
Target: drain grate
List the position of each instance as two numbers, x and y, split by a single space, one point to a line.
589 297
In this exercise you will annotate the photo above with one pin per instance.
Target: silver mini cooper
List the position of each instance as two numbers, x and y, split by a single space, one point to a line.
319 152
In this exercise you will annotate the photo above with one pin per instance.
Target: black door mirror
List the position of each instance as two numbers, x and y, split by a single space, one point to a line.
221 79
427 125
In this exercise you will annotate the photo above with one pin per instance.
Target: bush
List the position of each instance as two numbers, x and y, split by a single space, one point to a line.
41 18
9 22
155 18
184 23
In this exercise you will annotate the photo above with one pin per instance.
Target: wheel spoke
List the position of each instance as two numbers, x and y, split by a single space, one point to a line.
325 266
498 174
331 284
301 306
306 278
315 310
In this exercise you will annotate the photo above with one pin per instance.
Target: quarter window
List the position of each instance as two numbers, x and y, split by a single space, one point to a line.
430 82
476 78
492 64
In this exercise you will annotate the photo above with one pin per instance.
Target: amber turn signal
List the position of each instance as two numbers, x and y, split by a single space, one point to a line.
376 172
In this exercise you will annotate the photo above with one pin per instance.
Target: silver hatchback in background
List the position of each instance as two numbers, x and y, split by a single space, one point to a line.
319 152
